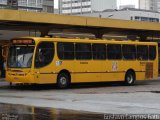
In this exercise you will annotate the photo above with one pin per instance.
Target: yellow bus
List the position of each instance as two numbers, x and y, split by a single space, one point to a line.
64 61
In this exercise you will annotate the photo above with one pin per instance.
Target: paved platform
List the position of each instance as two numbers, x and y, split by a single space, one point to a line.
143 98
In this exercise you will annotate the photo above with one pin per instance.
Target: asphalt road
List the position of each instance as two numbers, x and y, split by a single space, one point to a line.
106 98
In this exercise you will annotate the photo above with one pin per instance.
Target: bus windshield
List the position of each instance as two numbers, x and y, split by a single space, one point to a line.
20 56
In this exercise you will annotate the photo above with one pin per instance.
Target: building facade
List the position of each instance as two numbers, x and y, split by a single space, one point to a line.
29 5
48 6
128 14
8 4
85 6
153 5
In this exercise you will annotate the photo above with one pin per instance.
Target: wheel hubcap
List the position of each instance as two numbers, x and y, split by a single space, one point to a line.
130 79
63 80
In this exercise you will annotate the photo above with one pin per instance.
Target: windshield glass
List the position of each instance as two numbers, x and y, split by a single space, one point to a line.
20 56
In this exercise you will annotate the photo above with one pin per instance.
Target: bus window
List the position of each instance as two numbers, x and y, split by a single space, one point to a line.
20 56
66 51
83 51
114 52
44 54
99 51
152 52
129 52
142 52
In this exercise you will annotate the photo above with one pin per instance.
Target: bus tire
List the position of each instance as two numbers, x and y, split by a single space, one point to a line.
63 80
130 78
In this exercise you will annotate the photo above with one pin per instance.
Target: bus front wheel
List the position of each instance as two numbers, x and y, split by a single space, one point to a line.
63 81
130 78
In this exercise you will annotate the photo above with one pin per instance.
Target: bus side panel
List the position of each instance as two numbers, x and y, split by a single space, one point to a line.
111 71
156 66
85 77
155 70
140 76
116 70
87 71
46 74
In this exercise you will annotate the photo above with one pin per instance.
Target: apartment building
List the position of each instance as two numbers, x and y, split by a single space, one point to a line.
29 5
85 6
153 5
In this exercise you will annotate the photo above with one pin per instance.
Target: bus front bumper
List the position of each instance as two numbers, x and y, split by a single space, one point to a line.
20 78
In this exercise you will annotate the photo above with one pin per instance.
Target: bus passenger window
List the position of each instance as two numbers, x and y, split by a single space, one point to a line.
129 52
142 52
66 51
99 51
44 54
83 51
114 52
152 52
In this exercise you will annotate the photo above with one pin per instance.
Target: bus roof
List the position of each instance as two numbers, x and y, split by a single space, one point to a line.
39 39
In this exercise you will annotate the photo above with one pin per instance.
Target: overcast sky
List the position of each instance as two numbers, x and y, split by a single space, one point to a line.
56 3
119 2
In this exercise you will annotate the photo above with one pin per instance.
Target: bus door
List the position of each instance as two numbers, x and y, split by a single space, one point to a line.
43 62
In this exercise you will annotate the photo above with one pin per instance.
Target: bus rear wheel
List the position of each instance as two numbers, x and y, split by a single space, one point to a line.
63 81
130 78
